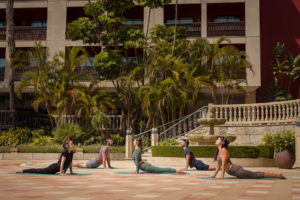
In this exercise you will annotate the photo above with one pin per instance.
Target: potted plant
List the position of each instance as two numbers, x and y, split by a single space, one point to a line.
284 147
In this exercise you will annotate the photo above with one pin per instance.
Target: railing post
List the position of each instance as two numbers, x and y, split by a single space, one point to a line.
128 151
297 143
154 137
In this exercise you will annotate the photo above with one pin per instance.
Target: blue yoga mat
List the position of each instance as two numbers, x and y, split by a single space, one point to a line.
51 174
148 173
208 178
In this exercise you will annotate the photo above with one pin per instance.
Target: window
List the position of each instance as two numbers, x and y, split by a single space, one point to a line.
89 62
134 21
224 19
2 23
181 20
2 62
38 23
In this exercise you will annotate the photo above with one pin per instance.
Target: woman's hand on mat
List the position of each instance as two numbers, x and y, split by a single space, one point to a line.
62 174
212 177
220 178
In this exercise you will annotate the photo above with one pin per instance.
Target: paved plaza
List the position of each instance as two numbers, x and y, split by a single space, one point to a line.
106 184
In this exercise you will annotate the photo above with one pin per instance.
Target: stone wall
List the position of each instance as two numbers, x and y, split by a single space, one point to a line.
249 134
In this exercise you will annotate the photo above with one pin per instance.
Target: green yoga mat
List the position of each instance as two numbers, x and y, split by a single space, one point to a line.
51 174
148 173
234 178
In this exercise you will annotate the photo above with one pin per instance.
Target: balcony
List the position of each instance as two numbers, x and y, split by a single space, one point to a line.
194 29
226 28
26 33
20 71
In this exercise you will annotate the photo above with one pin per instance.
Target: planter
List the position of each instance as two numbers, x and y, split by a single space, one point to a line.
284 159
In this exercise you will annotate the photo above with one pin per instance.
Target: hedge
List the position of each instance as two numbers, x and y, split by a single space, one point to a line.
209 151
96 148
55 148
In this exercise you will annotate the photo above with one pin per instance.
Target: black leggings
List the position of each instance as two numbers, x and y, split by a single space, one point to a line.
51 169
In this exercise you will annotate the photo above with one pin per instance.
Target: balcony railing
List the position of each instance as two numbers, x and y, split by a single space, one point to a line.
283 112
2 73
194 29
228 28
26 33
20 71
28 119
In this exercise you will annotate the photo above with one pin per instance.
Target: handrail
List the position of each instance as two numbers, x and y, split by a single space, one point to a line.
201 110
160 126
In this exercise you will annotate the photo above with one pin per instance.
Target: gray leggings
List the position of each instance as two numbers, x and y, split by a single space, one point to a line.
147 167
238 171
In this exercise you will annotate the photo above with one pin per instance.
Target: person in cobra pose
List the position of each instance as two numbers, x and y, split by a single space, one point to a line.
102 158
225 164
147 167
64 162
191 160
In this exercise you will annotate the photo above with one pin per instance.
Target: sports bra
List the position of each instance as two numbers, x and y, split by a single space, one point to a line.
219 159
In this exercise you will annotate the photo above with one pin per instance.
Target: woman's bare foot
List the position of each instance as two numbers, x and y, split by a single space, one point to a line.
180 171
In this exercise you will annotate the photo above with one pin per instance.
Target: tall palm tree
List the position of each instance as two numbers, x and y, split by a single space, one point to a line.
11 46
38 77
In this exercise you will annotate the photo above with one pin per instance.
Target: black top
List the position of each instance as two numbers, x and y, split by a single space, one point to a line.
68 161
192 161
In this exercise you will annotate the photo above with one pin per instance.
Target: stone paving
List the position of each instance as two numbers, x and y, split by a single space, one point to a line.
105 184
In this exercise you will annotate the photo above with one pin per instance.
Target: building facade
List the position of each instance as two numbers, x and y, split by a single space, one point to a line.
46 20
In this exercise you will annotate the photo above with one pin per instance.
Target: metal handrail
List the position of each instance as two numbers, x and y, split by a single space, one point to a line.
185 118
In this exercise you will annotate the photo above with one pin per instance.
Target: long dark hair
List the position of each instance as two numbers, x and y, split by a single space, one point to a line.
224 144
139 142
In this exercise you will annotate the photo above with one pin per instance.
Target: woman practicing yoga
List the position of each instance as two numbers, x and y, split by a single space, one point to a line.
147 167
102 158
65 162
224 162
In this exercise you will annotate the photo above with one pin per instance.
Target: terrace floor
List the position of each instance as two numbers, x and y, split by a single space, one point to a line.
105 184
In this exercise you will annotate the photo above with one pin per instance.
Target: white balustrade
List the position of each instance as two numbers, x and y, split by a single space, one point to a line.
260 113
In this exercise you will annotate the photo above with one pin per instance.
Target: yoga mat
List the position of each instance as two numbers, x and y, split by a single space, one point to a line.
86 168
208 178
51 174
150 173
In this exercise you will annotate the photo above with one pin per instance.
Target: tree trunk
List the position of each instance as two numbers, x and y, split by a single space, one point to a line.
175 28
11 46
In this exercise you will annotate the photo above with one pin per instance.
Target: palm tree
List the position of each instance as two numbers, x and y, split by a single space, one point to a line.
11 46
38 78
91 100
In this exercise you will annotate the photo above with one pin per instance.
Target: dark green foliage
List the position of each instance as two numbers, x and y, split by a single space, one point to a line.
117 139
281 141
53 148
5 149
96 148
208 151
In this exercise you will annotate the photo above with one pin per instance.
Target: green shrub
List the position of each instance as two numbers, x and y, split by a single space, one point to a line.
15 136
5 149
66 131
282 140
168 142
95 148
39 137
117 139
208 151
